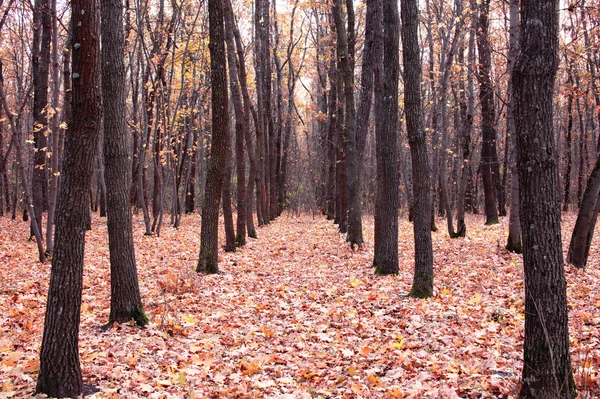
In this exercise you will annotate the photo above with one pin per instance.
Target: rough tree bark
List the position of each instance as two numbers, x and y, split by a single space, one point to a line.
227 210
125 298
386 201
547 371
583 232
488 115
40 113
423 275
60 371
350 218
371 53
208 260
514 242
241 125
54 170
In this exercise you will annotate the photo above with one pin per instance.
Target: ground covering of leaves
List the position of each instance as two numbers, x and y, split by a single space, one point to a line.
296 314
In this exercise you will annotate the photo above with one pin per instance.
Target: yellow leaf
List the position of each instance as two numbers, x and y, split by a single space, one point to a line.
399 344
354 282
395 393
446 291
352 371
475 299
598 304
373 380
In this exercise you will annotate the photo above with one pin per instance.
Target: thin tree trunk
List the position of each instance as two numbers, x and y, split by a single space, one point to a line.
40 112
581 239
514 242
488 115
227 211
568 144
241 125
16 131
208 259
54 170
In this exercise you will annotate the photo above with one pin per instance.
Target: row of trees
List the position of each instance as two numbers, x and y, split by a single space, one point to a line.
314 149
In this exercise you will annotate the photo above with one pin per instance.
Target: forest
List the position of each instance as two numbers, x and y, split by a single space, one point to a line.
299 199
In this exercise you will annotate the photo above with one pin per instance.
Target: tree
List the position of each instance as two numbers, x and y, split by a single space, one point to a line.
514 243
489 156
547 371
371 56
42 33
208 260
350 217
423 275
125 298
241 125
583 232
60 372
386 202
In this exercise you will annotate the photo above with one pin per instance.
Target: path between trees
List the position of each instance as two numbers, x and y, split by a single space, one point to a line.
294 314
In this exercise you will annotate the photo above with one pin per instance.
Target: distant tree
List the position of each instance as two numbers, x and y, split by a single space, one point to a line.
125 298
349 195
547 371
40 57
241 125
489 155
514 242
60 371
371 56
423 275
208 260
386 202
227 208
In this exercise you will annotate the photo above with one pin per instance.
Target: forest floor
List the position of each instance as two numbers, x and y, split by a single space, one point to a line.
296 314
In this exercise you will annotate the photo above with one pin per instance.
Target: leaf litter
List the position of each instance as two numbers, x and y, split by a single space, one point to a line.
296 314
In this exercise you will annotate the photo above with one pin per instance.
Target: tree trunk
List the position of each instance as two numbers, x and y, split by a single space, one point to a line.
547 371
248 109
488 115
20 167
41 112
227 211
581 239
60 371
208 260
423 274
467 110
125 298
54 170
331 138
514 242
351 217
371 55
386 202
569 140
241 125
